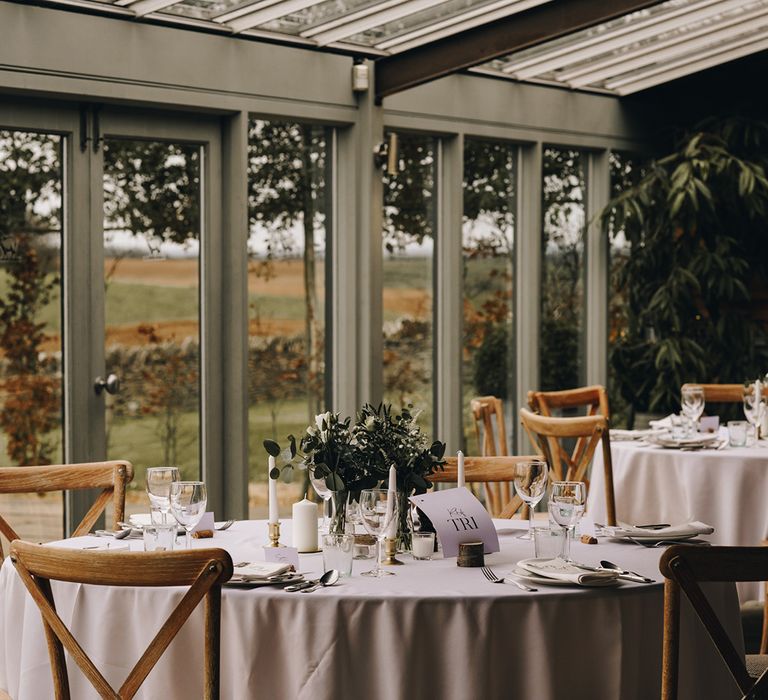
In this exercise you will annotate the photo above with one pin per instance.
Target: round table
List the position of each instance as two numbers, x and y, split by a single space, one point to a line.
727 489
433 630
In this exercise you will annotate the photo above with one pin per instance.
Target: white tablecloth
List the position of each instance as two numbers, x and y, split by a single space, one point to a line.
727 489
433 631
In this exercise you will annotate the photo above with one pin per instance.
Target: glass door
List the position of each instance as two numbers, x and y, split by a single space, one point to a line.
151 259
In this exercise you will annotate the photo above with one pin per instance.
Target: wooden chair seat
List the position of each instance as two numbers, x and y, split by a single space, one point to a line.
202 570
486 470
112 477
546 433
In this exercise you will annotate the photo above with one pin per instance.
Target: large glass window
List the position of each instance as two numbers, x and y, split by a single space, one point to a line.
562 363
626 171
408 243
488 247
152 306
289 217
31 382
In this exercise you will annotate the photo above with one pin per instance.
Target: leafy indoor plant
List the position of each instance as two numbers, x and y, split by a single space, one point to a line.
699 255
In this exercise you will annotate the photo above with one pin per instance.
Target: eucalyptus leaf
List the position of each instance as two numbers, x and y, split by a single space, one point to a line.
272 448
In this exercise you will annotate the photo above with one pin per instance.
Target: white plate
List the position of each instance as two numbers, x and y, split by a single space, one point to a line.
650 539
246 583
528 577
546 581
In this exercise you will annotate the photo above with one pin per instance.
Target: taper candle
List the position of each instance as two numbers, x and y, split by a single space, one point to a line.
391 513
460 460
273 517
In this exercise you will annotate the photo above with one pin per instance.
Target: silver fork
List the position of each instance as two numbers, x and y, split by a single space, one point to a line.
226 525
493 578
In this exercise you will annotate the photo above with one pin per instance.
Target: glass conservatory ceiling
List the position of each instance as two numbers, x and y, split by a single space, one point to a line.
621 56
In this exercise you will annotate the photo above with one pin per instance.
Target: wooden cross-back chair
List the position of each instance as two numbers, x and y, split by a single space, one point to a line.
491 433
112 477
720 393
203 570
684 567
486 470
546 432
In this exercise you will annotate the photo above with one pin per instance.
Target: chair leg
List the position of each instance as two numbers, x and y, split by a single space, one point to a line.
671 645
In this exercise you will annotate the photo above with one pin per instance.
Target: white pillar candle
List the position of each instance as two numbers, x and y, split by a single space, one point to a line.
392 488
460 459
304 526
273 517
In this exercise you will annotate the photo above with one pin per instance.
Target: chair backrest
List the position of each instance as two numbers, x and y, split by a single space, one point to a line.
486 470
720 393
684 567
593 398
491 433
112 477
546 432
203 570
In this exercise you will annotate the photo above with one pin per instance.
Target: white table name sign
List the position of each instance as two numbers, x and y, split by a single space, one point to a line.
458 517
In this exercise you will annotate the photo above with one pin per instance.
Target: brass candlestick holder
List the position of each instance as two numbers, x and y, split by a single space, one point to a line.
274 535
390 549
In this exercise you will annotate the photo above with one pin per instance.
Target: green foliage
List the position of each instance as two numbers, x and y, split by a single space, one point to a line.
695 224
490 370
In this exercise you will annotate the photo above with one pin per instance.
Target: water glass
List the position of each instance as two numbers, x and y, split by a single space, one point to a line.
548 542
378 510
338 551
422 545
692 401
737 433
159 537
159 480
531 484
566 506
188 502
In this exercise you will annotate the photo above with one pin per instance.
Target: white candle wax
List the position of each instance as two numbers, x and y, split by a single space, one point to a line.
304 526
392 488
273 517
460 459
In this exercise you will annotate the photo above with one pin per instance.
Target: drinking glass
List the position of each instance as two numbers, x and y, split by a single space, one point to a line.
338 551
322 490
530 485
378 508
566 506
753 409
159 480
188 501
692 403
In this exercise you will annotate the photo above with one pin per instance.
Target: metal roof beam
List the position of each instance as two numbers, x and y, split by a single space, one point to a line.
500 38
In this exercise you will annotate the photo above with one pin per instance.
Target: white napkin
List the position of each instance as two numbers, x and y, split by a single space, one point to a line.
261 571
665 422
563 571
619 435
140 519
682 530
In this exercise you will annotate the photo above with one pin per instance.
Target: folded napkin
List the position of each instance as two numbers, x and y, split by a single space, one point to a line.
564 571
140 519
665 422
618 434
682 530
261 571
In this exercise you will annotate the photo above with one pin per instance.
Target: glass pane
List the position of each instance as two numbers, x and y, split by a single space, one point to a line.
152 292
297 22
204 9
31 380
289 217
488 244
409 241
626 170
562 295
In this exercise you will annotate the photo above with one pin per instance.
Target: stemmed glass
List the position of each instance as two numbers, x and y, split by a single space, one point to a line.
753 409
322 490
530 485
159 480
566 506
188 501
692 403
378 508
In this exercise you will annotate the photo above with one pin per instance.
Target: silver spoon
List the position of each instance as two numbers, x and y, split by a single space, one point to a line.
307 584
624 572
327 579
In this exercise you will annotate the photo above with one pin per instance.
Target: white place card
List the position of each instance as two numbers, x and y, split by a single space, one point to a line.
458 517
206 522
282 555
709 424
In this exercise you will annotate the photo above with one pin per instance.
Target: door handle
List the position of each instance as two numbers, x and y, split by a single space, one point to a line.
111 384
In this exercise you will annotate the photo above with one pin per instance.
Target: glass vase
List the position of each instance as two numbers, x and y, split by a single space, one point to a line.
404 527
338 522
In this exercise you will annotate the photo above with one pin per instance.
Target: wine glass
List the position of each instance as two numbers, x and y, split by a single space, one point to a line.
753 409
692 403
188 501
159 480
378 508
566 506
530 485
322 490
